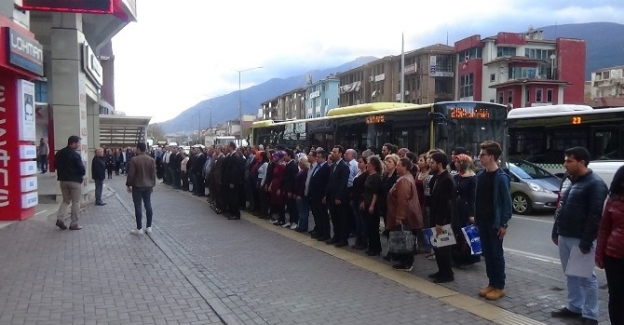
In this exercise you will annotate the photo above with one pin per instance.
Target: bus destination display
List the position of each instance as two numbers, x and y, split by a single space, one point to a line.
374 119
480 113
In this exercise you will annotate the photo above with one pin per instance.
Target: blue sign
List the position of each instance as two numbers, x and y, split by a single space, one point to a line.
24 52
433 69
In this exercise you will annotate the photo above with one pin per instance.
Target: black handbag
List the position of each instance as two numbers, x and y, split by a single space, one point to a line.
401 241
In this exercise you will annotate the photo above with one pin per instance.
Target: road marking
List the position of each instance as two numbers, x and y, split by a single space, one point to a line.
533 256
40 212
533 219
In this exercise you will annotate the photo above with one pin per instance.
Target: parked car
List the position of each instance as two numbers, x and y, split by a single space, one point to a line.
604 168
532 187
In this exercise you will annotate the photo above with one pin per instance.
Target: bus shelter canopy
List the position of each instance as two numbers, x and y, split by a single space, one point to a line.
122 131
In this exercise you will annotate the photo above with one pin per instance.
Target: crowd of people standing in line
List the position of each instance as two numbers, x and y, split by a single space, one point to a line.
348 192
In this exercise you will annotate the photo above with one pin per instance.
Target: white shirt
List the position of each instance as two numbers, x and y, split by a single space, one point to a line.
307 183
353 171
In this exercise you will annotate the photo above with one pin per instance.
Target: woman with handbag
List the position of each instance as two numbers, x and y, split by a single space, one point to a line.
404 215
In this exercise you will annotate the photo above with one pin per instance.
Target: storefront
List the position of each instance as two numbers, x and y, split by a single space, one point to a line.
21 62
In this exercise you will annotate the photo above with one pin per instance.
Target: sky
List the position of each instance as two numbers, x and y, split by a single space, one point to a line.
178 55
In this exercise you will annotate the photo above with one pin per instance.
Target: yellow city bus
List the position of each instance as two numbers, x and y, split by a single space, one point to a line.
443 125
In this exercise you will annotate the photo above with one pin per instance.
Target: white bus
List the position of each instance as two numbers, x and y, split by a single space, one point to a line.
542 134
225 140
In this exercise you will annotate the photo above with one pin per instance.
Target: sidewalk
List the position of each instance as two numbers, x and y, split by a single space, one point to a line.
198 268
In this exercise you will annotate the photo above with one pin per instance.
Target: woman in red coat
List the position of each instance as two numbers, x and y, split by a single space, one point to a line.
278 199
610 247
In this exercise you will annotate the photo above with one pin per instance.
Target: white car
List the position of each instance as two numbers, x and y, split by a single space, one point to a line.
606 169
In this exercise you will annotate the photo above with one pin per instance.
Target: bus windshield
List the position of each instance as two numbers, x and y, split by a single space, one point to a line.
471 123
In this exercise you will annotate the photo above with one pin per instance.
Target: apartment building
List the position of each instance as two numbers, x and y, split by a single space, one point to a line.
354 86
268 110
321 96
429 75
608 83
520 69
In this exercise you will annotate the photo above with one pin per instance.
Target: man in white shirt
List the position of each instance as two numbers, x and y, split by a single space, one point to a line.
351 158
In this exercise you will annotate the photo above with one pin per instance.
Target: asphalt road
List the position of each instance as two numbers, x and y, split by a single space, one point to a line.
531 235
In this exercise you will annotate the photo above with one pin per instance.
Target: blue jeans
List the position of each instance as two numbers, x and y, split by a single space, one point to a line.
303 205
494 255
582 292
144 195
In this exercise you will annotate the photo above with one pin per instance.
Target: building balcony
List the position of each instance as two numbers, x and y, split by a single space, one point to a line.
520 82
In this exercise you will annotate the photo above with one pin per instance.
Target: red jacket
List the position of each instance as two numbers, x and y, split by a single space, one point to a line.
611 231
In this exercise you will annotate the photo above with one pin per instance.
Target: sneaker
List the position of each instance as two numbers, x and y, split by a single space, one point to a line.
286 225
148 230
137 231
483 292
565 313
495 294
293 226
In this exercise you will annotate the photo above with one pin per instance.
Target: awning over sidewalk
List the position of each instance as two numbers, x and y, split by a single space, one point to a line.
122 131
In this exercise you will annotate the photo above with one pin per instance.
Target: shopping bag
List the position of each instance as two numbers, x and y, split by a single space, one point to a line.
471 234
446 238
401 241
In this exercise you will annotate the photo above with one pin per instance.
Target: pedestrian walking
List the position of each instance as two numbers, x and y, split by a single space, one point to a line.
492 206
98 174
140 181
575 231
43 150
610 248
70 171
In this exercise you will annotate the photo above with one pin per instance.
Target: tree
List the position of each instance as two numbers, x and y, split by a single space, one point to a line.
156 132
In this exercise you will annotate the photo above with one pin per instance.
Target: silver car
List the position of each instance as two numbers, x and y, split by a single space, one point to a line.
532 187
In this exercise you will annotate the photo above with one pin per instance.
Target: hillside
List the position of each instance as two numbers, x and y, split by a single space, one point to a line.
226 107
604 42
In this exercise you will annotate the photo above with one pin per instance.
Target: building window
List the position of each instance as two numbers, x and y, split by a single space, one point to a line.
538 95
470 54
466 85
326 101
549 95
41 92
528 95
501 97
539 54
510 96
492 77
505 51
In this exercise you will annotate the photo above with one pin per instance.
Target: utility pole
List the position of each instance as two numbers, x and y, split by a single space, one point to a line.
240 99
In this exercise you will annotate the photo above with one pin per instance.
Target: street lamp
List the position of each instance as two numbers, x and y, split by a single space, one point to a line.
240 99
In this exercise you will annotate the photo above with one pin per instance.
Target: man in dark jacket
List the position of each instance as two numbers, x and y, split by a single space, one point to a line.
575 231
288 187
442 212
98 174
233 180
318 186
199 188
337 197
493 211
70 171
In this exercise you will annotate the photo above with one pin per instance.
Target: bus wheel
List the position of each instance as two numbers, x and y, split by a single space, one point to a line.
521 203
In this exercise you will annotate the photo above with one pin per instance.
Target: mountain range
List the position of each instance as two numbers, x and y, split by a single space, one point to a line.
604 49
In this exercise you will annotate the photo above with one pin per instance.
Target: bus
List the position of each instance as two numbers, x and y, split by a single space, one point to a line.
444 125
541 134
225 141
